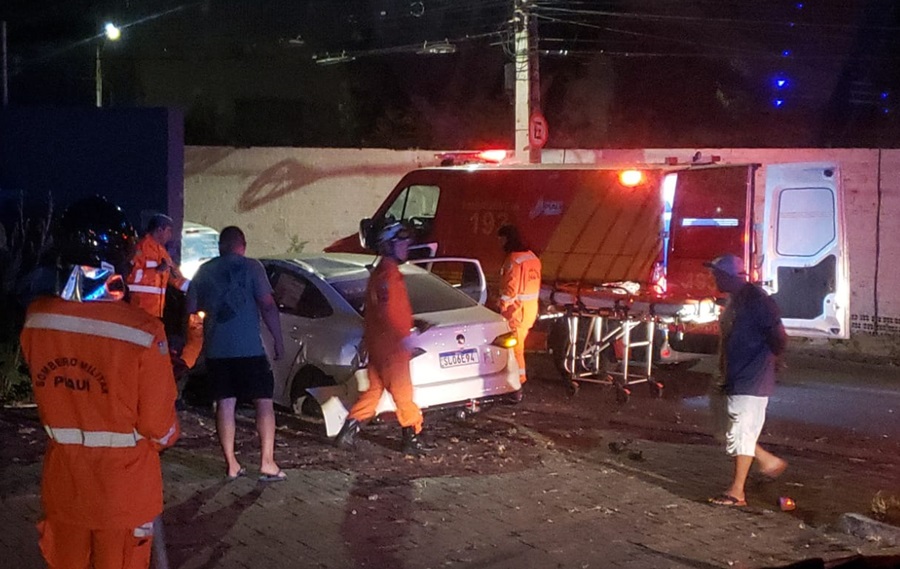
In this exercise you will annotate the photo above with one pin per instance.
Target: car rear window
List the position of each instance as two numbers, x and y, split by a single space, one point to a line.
200 246
427 293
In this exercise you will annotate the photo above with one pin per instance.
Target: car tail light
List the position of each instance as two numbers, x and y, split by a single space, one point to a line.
507 340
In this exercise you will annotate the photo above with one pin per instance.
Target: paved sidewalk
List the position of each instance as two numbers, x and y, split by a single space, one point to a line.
558 508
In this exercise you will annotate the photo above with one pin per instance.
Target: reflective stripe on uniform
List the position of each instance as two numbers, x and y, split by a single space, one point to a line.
79 325
164 440
505 298
146 289
93 439
522 258
151 264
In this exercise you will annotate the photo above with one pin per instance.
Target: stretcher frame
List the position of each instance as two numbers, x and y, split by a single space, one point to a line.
623 314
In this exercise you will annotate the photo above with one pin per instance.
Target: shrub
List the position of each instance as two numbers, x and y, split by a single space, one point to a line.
22 249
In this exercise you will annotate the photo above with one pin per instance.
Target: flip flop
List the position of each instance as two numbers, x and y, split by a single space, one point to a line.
277 477
240 473
728 501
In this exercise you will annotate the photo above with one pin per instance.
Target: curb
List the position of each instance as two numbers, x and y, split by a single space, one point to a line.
869 529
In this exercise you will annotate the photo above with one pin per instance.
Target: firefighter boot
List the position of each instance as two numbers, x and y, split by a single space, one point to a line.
412 444
346 437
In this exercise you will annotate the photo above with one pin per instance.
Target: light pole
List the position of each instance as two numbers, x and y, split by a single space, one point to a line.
112 33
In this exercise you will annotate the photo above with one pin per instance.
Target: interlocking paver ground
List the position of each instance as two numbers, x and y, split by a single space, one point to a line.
513 487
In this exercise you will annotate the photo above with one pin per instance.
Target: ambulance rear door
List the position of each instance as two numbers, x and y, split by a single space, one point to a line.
805 266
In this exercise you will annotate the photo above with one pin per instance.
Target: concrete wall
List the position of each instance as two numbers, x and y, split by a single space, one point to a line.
293 198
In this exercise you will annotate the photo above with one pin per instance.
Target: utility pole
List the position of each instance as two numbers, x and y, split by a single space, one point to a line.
98 77
528 91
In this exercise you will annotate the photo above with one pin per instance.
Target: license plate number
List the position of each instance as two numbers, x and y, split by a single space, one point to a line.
460 358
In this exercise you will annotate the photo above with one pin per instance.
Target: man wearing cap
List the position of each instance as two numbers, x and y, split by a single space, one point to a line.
153 268
752 337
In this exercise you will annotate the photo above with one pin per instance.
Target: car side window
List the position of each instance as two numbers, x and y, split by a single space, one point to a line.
294 294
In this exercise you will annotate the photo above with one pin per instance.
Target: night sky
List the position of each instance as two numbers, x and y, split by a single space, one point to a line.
613 73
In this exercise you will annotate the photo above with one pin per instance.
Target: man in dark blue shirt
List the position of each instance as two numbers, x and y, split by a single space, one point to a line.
752 339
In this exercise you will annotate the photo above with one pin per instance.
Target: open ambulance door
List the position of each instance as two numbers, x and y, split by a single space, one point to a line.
464 274
804 264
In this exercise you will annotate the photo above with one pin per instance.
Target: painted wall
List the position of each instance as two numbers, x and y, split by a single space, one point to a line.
291 199
288 199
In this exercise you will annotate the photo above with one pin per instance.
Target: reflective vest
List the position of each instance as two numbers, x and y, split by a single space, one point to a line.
103 384
146 283
520 286
388 314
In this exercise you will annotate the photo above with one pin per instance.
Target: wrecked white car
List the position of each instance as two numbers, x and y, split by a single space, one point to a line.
462 350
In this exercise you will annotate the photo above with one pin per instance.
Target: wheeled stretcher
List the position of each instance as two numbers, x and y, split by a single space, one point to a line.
611 333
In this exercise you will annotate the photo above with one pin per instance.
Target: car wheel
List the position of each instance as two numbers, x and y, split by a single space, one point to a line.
302 403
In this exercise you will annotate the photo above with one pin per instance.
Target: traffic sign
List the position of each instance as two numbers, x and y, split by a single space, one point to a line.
537 131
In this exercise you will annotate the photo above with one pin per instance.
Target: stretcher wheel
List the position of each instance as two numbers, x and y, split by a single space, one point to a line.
656 388
573 388
622 394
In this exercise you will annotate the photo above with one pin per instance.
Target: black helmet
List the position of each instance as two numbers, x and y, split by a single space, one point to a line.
93 231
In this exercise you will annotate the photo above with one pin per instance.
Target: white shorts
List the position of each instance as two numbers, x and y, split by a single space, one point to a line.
746 416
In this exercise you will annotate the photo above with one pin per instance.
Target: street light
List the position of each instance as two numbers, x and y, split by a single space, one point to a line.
112 33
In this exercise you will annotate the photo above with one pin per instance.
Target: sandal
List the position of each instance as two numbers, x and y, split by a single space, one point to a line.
727 500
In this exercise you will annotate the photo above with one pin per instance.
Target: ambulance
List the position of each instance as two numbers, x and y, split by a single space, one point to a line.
623 247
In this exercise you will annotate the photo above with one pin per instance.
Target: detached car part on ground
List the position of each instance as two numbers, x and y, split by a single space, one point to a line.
461 350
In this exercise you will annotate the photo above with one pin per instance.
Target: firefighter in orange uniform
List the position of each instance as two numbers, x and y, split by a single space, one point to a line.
153 268
105 394
388 322
520 284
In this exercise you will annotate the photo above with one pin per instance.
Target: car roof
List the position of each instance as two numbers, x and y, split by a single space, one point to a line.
339 266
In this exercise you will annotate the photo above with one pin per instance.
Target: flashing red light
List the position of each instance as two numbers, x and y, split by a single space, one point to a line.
631 178
492 155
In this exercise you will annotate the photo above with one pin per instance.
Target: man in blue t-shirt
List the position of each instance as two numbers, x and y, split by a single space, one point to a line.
233 292
752 339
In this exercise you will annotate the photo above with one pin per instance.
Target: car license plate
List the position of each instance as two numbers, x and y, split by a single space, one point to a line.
460 358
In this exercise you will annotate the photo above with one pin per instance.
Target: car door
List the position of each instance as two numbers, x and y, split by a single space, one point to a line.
805 266
300 305
465 275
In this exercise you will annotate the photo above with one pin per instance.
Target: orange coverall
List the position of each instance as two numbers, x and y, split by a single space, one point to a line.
103 383
388 320
520 284
146 283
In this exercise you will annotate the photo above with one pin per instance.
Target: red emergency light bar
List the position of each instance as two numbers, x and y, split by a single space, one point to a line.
494 156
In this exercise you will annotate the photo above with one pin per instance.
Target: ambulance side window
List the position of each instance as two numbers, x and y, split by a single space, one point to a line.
416 205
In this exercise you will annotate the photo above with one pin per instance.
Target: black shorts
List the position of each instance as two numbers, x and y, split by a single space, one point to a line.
245 378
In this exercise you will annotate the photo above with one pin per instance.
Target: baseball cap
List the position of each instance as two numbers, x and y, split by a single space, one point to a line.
728 264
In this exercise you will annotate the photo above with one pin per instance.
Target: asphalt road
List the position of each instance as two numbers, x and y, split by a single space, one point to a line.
860 399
